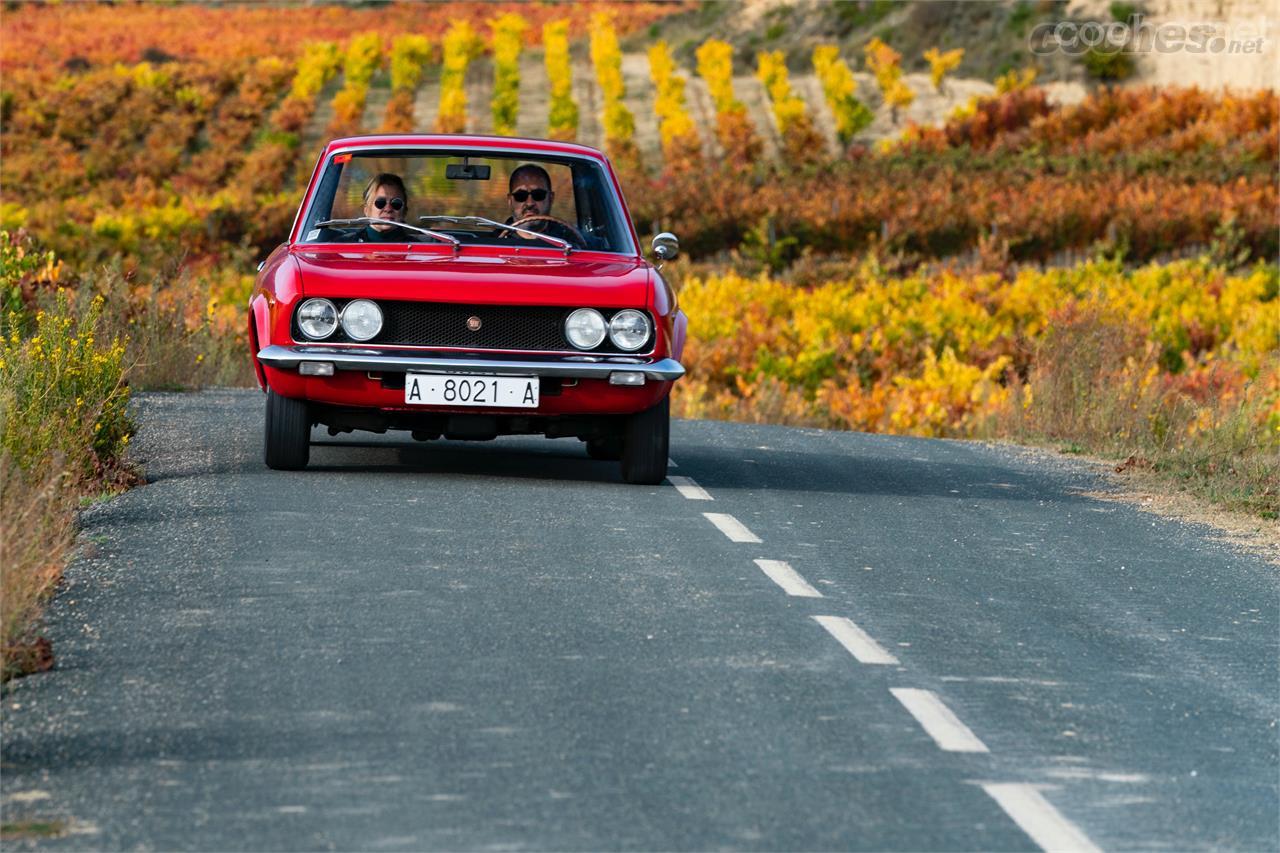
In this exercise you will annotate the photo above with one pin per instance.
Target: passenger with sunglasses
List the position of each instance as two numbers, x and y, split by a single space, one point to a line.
385 198
530 196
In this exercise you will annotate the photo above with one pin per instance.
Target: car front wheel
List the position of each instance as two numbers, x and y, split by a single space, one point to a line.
645 445
287 441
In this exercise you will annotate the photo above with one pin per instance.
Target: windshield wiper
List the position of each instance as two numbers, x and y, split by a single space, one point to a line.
524 232
369 220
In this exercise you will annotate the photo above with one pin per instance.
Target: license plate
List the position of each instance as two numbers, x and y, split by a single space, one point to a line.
440 389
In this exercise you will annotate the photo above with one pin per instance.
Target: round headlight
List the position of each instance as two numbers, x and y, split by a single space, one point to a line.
629 329
361 319
317 318
585 328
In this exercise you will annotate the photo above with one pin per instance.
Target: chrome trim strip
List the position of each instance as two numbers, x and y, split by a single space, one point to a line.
358 358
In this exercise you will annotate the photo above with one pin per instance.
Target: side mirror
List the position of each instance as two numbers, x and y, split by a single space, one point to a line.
666 246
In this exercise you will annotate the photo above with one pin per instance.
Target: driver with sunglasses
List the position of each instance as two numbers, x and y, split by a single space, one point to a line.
530 196
385 198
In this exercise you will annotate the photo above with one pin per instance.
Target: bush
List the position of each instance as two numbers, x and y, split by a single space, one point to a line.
618 122
508 35
1076 354
461 45
62 393
839 88
884 63
562 119
363 58
733 128
800 142
1108 65
681 145
63 433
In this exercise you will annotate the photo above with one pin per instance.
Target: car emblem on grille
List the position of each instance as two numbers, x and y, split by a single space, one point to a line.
473 324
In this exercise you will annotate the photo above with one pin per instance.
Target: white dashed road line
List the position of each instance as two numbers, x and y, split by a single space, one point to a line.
789 579
855 640
1032 812
731 527
691 490
1026 806
937 720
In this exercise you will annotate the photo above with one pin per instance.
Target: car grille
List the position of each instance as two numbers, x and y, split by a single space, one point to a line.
501 326
504 327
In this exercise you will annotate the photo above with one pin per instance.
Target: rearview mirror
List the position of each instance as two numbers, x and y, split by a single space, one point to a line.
666 246
466 172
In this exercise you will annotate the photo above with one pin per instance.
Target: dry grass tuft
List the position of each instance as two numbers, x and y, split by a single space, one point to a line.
1096 387
36 534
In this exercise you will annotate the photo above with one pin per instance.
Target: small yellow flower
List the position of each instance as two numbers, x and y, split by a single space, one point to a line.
199 358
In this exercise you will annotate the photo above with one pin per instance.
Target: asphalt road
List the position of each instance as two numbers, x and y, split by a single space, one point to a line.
933 645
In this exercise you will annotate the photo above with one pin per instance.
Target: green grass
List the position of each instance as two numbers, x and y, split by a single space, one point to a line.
1021 15
32 829
862 13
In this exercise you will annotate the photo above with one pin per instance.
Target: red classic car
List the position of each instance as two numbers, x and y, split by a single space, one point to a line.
467 287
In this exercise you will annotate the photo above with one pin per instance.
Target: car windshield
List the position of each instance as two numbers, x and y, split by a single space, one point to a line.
457 199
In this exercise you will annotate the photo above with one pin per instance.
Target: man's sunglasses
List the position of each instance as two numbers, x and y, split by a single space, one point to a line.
521 195
381 202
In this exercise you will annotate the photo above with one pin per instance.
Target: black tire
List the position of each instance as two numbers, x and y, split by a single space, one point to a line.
645 445
287 439
608 448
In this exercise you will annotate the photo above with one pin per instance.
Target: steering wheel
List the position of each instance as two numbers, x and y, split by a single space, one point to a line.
574 233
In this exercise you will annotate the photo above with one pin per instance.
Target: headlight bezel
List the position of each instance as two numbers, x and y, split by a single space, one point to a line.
301 321
602 327
614 331
346 330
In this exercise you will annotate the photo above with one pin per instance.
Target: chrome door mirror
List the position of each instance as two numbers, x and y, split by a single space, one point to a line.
666 246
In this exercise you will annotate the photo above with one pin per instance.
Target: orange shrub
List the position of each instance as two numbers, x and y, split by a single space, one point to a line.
946 354
733 128
54 36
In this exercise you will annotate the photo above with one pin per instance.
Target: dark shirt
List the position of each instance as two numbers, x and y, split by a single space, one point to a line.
366 234
542 226
391 235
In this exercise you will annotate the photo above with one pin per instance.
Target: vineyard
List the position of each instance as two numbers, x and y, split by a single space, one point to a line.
1099 273
1148 357
138 150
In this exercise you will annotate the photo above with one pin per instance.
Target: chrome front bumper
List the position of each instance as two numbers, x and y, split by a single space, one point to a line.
394 361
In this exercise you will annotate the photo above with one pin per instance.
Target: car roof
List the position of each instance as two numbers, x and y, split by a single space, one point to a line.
462 141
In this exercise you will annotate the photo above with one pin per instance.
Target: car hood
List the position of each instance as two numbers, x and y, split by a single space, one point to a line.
474 278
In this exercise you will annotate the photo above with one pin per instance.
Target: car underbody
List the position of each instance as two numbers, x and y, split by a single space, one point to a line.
426 426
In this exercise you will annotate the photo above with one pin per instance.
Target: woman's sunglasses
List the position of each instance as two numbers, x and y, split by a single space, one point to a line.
381 202
521 195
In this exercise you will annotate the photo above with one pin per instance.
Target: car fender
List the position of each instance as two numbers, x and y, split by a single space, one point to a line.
679 330
259 324
278 287
665 307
